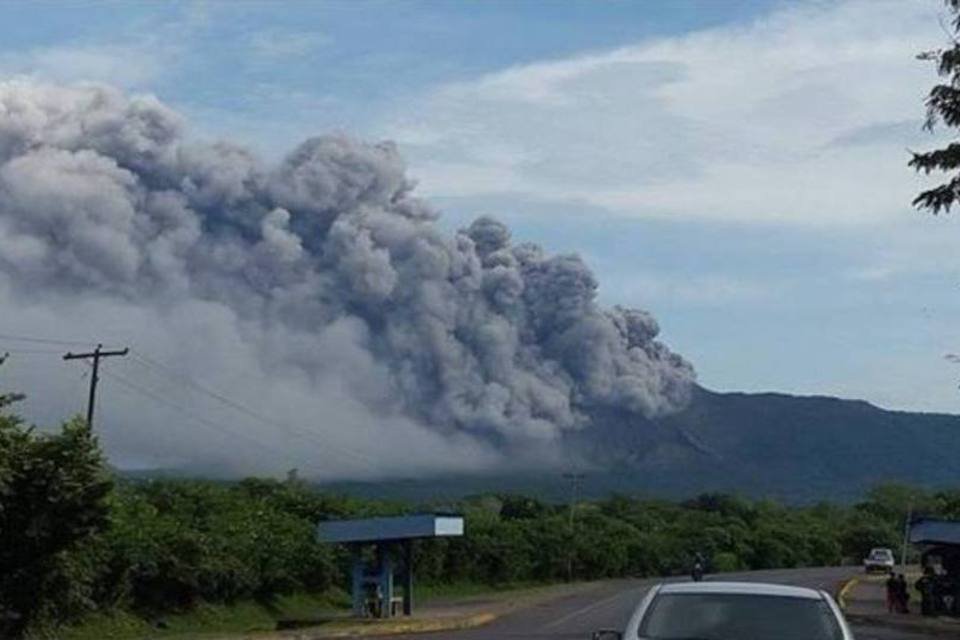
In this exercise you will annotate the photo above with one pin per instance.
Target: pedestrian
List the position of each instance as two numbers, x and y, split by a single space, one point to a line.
892 597
925 585
903 594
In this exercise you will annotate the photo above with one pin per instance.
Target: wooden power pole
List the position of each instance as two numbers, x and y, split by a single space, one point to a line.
94 355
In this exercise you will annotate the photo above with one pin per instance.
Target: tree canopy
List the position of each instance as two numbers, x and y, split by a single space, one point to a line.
53 498
943 106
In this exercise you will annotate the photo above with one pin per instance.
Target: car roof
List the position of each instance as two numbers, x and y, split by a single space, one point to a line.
743 588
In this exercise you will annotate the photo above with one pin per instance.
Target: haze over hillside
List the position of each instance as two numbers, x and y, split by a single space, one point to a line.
758 444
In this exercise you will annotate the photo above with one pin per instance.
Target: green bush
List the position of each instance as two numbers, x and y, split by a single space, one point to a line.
53 499
725 562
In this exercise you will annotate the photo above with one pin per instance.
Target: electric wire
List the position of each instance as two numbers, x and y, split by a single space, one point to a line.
189 382
36 340
209 424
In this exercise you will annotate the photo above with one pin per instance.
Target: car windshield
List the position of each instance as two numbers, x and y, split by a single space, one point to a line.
725 616
881 554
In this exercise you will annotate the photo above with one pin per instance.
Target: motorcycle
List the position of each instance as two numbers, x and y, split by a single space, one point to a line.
697 573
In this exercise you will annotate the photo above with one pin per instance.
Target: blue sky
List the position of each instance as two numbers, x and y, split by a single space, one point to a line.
737 167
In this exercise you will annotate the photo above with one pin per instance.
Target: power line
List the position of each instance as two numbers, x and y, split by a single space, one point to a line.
185 381
30 352
192 384
236 406
35 340
215 426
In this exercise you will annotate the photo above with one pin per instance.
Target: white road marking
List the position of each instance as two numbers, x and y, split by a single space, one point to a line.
587 609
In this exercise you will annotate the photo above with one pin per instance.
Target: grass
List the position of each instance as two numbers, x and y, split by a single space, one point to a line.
206 620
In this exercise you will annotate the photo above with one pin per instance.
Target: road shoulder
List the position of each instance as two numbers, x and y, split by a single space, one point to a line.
456 615
863 600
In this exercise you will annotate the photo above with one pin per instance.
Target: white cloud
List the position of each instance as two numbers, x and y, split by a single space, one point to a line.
801 117
122 65
139 55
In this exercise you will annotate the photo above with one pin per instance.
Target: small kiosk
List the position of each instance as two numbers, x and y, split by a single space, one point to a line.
939 541
372 581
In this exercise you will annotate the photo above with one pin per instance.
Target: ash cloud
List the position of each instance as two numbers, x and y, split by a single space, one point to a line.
319 290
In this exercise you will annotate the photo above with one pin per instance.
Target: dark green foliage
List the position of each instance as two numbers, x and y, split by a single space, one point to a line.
948 504
943 105
522 508
177 543
623 536
174 544
53 499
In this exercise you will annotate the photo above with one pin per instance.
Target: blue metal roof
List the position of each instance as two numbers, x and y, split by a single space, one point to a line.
927 531
385 529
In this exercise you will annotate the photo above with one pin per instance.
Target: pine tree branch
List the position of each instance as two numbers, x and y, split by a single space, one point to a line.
939 159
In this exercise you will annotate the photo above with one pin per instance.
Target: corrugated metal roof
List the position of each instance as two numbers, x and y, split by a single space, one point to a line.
384 529
935 532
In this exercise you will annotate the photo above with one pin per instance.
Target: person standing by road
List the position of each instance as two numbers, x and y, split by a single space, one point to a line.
903 595
926 585
892 593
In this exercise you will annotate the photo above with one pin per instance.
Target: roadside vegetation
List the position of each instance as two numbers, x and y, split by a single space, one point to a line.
81 548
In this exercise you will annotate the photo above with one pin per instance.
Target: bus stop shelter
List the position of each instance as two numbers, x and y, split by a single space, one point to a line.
937 536
372 583
939 541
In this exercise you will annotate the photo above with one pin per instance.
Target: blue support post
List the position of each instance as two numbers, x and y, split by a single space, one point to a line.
408 577
357 581
386 580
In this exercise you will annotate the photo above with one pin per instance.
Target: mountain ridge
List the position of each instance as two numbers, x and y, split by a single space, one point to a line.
760 444
763 444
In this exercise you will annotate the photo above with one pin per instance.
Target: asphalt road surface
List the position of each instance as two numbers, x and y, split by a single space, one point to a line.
609 606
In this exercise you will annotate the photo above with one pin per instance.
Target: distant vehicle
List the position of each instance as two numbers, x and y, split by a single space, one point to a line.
697 572
733 611
879 560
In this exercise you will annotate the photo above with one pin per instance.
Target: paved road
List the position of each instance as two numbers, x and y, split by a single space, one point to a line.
610 605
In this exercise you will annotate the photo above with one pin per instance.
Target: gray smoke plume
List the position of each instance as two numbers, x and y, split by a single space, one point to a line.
319 291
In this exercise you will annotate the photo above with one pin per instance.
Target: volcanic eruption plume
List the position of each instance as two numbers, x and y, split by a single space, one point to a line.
320 291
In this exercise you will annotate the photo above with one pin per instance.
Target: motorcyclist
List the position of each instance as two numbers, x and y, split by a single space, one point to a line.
699 567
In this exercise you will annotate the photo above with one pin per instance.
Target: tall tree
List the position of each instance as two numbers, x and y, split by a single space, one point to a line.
943 106
53 497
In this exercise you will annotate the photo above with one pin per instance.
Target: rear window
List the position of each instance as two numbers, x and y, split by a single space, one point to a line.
723 616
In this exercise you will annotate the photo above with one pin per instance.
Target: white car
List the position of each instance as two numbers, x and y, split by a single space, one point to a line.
879 560
733 611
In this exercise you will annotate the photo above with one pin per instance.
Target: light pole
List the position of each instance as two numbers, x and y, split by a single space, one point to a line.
906 535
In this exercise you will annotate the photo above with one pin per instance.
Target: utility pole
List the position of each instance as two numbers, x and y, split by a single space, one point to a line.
575 480
906 535
95 355
4 357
